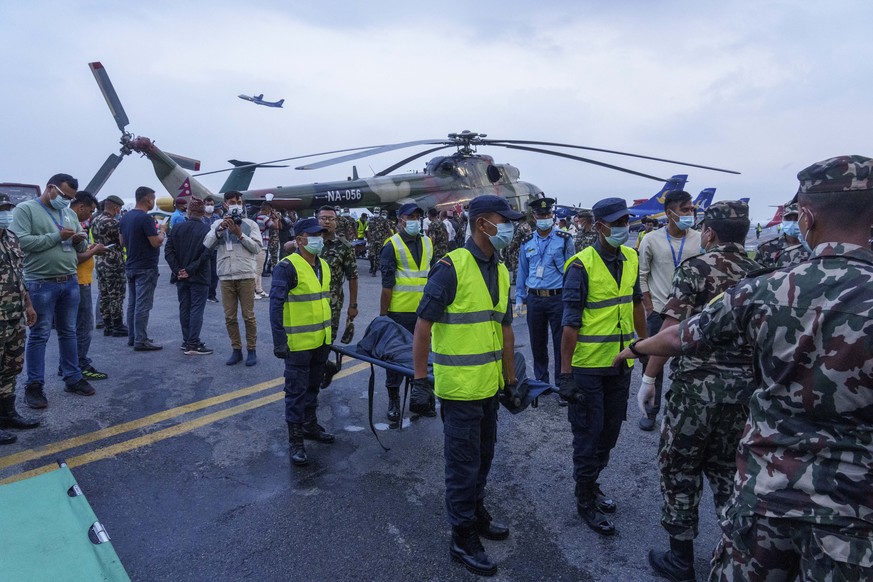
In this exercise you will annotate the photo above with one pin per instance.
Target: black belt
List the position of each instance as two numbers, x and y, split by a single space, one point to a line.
544 292
61 279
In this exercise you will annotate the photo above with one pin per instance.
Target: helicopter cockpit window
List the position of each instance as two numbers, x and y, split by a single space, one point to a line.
493 174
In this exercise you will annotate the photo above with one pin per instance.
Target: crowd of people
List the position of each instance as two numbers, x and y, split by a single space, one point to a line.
770 395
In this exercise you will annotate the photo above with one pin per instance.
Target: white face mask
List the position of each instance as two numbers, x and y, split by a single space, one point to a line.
209 208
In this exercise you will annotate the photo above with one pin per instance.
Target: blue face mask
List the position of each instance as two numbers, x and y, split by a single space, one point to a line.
413 227
791 228
545 223
684 222
314 244
5 218
59 202
503 237
618 235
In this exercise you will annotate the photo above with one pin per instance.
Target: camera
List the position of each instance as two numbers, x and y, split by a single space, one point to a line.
237 216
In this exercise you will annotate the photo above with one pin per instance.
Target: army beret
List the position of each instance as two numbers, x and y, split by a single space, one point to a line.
541 205
585 214
727 210
790 208
840 174
114 199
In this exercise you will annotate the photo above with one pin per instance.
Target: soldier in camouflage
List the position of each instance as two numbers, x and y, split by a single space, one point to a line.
347 227
438 235
16 314
340 257
111 280
769 252
522 229
379 230
585 235
802 505
706 403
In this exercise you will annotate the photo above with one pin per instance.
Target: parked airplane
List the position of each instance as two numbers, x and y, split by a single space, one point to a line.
259 100
654 207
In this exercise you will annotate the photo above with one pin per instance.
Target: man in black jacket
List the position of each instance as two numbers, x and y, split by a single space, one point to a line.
189 261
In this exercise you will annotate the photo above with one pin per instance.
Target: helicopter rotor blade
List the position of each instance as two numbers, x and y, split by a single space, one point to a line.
372 152
103 173
567 145
577 158
402 163
112 100
263 164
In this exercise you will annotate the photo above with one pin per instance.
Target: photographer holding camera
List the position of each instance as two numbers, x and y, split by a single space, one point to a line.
237 240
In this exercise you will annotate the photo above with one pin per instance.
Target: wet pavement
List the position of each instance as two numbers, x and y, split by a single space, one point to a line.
185 461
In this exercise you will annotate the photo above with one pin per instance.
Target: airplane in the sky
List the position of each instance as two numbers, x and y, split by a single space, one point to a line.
259 100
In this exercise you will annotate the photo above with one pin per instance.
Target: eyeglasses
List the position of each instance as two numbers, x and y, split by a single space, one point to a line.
327 218
62 193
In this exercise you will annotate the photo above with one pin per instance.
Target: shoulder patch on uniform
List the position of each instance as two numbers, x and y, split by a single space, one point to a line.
563 233
576 262
527 238
716 298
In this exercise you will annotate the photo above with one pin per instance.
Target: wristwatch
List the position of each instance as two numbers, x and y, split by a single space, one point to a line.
633 348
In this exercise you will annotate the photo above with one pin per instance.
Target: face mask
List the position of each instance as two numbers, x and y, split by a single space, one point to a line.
802 238
545 223
314 244
791 228
59 202
618 235
503 237
5 218
684 222
209 208
413 227
235 208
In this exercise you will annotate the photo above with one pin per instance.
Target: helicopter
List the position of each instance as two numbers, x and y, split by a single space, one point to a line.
445 183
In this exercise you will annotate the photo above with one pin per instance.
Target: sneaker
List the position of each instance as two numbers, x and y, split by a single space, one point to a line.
647 423
90 373
184 346
212 300
82 388
198 350
34 396
147 347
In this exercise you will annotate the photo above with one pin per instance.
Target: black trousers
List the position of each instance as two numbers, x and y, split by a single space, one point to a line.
596 423
653 326
470 430
304 372
544 315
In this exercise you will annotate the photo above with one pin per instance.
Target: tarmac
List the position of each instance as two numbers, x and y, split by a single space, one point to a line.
185 462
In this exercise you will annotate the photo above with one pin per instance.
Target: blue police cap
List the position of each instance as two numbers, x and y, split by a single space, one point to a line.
541 205
610 209
490 203
308 226
409 209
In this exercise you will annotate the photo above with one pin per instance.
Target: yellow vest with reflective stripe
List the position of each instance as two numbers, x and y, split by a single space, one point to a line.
410 278
467 342
361 228
306 315
608 313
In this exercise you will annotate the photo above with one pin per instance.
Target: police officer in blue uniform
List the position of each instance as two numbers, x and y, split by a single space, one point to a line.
540 279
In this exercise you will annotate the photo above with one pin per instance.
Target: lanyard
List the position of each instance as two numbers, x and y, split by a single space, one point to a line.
60 222
548 240
676 261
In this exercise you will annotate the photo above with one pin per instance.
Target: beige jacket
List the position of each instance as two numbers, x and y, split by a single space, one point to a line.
236 256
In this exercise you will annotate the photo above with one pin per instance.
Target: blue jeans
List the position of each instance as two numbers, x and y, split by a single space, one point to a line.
141 294
470 430
84 325
192 302
56 303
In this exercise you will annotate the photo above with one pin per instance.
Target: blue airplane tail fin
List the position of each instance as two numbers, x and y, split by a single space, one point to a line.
656 202
280 102
704 199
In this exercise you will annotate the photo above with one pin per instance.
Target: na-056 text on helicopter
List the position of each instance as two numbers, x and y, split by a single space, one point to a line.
446 182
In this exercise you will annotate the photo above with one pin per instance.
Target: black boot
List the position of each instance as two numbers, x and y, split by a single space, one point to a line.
604 503
9 417
586 505
487 527
34 395
7 438
393 404
118 328
295 444
467 549
677 564
107 326
314 431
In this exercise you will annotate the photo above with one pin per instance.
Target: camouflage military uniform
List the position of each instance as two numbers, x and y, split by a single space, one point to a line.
379 231
340 257
347 228
522 229
706 404
12 326
584 239
439 236
791 256
802 501
769 251
111 281
273 249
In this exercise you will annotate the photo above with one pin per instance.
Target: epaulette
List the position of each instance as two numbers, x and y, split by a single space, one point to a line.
527 238
563 234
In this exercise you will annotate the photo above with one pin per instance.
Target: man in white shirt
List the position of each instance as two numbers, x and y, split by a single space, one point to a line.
661 252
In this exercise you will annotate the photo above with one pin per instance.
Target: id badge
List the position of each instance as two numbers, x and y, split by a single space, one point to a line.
540 271
67 245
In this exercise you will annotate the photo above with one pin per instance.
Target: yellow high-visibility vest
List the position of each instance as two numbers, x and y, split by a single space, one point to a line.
306 315
608 313
409 277
467 342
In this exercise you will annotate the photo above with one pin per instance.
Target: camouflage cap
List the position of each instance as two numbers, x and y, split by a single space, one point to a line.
585 214
840 174
114 199
727 210
790 208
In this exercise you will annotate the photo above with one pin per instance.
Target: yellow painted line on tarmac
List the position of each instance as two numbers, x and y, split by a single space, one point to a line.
71 443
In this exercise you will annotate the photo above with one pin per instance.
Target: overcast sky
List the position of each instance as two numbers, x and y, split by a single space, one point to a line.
765 88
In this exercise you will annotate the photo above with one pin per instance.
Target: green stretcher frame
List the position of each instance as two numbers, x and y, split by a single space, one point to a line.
48 531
